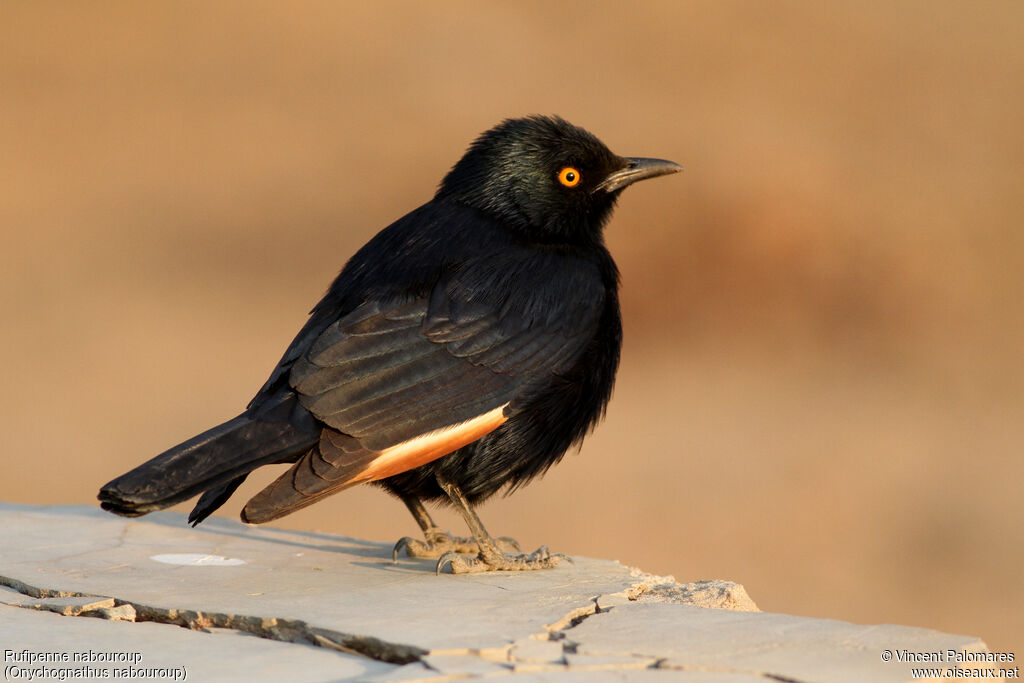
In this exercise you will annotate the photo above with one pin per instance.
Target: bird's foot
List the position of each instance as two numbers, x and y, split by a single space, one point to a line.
494 560
440 543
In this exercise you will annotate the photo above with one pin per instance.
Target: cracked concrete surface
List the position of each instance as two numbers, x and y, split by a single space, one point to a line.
336 608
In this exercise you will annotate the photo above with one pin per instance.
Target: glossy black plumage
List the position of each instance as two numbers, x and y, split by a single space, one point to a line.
493 306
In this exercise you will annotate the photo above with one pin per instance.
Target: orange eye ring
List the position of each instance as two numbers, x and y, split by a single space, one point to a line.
569 176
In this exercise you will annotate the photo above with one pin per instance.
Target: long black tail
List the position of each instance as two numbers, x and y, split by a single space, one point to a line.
215 462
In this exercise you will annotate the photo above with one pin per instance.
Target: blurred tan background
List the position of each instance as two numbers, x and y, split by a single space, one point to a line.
821 392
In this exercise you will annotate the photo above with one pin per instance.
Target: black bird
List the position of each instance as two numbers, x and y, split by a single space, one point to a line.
460 352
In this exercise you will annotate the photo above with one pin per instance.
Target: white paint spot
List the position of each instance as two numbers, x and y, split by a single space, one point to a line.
197 560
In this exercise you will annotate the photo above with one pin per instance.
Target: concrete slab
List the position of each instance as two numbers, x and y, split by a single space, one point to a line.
335 608
788 648
339 584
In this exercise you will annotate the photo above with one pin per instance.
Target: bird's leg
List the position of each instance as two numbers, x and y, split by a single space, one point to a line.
437 542
490 557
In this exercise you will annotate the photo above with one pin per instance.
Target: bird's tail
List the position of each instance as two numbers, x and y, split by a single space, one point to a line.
215 462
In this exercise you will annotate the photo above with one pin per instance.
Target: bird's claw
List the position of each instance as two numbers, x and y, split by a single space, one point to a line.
449 557
466 556
402 543
493 560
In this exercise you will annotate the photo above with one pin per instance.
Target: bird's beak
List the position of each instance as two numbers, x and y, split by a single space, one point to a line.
637 168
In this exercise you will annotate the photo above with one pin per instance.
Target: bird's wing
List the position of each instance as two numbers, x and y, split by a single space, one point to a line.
400 384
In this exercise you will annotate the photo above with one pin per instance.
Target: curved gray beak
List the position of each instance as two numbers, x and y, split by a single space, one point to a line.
637 168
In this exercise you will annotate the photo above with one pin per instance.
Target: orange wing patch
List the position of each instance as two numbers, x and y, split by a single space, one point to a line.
427 447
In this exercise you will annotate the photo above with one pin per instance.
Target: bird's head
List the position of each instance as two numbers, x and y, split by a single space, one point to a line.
547 178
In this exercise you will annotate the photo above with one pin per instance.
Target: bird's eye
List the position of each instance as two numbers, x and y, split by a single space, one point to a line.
569 176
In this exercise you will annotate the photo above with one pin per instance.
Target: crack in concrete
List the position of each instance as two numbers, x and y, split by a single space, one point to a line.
300 631
529 654
603 604
272 628
41 593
